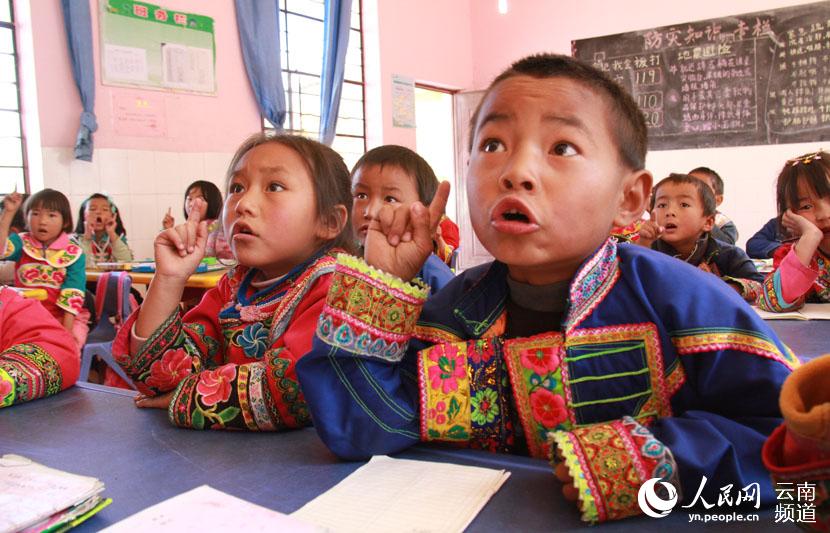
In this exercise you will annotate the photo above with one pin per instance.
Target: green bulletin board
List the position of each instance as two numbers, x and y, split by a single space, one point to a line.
151 47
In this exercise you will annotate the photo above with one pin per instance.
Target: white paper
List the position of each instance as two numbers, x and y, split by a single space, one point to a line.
207 509
389 494
187 67
31 492
124 63
808 312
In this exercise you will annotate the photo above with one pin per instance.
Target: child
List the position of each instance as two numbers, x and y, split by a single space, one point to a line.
17 225
47 256
683 208
766 240
397 176
211 211
229 362
631 364
101 232
724 229
802 268
38 357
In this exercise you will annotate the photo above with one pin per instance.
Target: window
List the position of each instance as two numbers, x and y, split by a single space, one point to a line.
301 47
12 168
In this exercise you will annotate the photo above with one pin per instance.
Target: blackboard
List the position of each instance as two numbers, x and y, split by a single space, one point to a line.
757 78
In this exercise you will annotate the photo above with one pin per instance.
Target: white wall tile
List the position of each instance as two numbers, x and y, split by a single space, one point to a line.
114 171
144 224
83 177
142 248
141 169
56 169
192 168
216 164
167 172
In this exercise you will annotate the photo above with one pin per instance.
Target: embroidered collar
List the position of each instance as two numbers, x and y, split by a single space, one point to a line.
60 254
705 248
483 298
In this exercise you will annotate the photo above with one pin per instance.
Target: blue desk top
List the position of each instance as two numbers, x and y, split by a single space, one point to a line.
143 460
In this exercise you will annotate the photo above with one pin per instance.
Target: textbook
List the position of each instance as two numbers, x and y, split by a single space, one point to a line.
808 312
36 498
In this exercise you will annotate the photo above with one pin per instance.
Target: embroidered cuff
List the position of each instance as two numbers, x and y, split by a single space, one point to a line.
27 372
71 300
9 248
750 289
369 312
609 462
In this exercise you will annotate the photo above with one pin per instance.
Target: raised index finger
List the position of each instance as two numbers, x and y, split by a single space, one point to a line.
438 204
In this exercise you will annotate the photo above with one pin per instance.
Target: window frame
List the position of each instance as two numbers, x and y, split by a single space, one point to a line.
24 166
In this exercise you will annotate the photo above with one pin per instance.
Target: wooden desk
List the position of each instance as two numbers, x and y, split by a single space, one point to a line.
142 459
202 280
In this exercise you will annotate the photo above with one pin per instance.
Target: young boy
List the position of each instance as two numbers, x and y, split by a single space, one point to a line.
724 229
396 176
683 208
628 364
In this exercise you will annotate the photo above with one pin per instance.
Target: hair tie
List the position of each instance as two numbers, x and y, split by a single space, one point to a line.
806 159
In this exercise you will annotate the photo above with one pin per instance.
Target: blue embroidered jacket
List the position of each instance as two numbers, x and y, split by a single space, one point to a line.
657 370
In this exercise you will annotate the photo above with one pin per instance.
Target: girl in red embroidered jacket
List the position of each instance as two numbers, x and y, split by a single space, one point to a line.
229 362
802 267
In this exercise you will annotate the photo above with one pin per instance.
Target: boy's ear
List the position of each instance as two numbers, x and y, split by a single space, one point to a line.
710 223
332 224
718 199
636 190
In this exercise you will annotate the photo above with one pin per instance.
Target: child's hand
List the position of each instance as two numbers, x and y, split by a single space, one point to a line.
12 201
109 225
399 240
798 225
88 230
180 249
168 221
161 401
649 232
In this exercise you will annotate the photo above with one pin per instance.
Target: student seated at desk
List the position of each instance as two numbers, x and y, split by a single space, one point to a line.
683 216
802 268
629 364
229 362
766 240
48 256
724 229
38 357
101 232
396 176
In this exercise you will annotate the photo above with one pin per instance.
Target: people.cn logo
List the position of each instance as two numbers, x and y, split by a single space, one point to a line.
651 503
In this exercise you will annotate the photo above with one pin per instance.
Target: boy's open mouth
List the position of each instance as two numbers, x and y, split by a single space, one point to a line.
670 225
511 215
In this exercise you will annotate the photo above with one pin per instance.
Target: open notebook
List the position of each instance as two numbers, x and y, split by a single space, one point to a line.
389 494
808 312
34 497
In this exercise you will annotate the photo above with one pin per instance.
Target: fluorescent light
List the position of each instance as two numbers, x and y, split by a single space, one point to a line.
503 7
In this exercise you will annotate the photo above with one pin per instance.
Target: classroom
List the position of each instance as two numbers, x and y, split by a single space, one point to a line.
546 332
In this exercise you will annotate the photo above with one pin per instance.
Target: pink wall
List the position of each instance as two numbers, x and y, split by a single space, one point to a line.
429 41
194 123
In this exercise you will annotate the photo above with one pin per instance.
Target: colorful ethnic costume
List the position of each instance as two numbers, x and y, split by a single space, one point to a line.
231 358
655 371
792 284
722 259
103 250
38 357
58 268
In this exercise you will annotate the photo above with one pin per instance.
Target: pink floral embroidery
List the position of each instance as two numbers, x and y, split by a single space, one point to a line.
170 370
76 302
215 385
548 408
450 367
437 413
5 389
541 360
480 352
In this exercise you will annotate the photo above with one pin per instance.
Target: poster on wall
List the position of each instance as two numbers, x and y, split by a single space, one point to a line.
403 102
152 47
139 114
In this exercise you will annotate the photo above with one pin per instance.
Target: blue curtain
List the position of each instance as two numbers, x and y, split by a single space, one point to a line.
78 26
335 42
259 34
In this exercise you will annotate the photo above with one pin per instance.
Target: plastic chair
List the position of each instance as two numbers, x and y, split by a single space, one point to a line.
112 306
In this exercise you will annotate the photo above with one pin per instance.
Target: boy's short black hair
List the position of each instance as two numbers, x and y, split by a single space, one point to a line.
707 197
212 196
54 200
407 160
814 168
717 181
627 125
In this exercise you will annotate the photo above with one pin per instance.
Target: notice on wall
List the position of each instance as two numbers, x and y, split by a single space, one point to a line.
754 78
403 102
139 114
152 47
